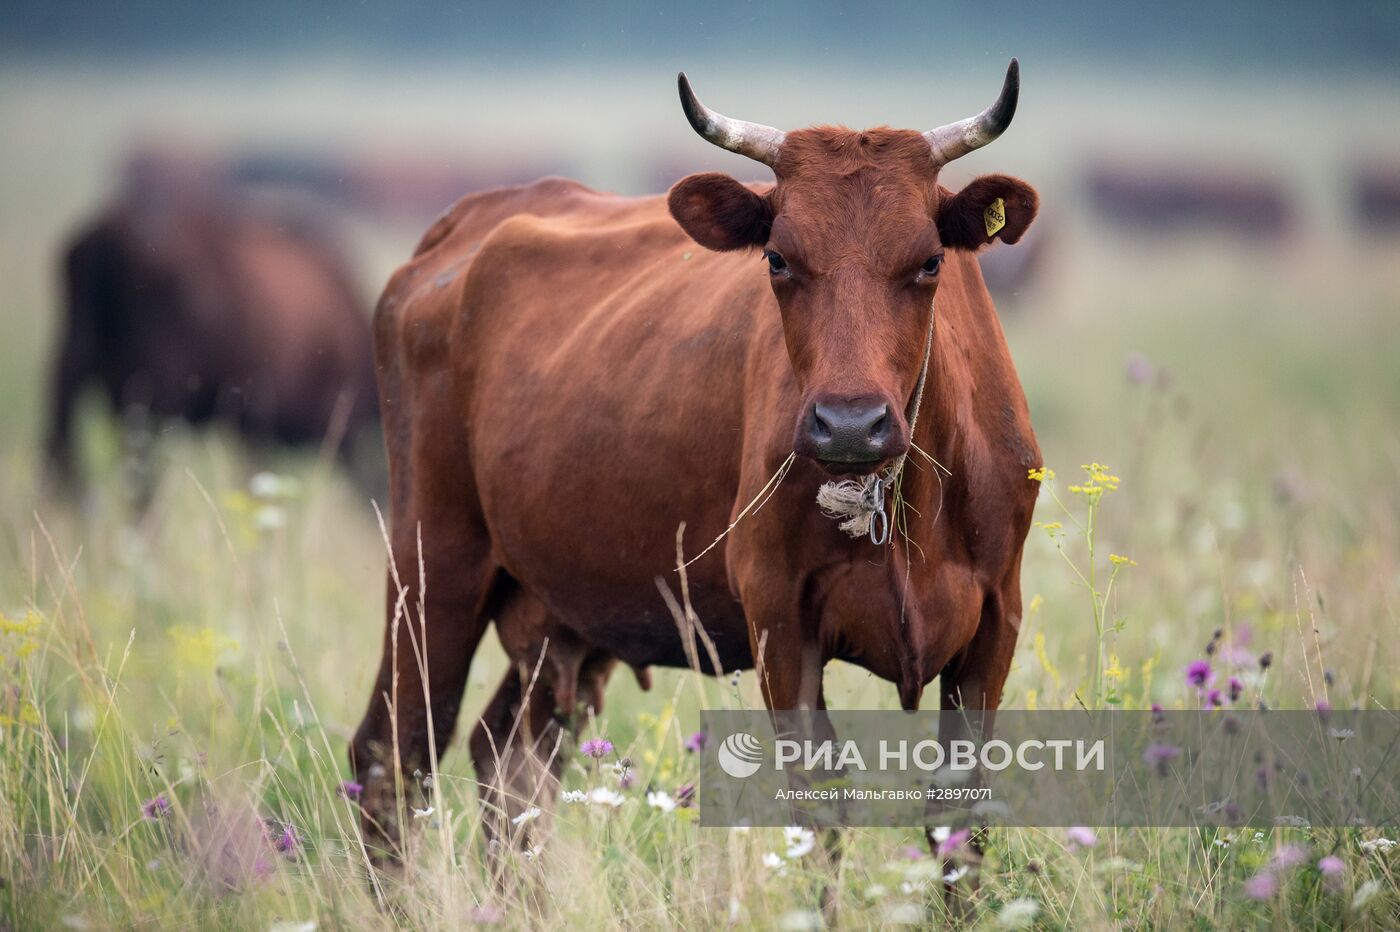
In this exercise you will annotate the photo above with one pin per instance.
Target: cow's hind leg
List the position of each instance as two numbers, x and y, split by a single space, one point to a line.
442 591
516 750
430 638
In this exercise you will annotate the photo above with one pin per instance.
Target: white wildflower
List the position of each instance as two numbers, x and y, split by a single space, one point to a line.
800 920
270 518
573 796
662 800
800 841
1364 893
527 816
1018 914
605 796
423 813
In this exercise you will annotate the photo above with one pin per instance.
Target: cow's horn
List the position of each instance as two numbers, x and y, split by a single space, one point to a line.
758 142
958 139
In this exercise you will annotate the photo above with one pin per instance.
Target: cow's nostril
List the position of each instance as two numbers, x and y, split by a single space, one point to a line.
880 430
819 425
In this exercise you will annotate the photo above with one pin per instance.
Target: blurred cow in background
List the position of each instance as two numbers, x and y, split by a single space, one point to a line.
1375 194
1153 198
389 186
189 299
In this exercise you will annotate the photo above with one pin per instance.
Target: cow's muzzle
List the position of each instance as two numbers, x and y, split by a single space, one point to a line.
850 435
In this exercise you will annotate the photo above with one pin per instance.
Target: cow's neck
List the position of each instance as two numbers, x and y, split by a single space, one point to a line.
961 416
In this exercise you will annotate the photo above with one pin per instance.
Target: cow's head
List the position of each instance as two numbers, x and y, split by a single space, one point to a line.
853 238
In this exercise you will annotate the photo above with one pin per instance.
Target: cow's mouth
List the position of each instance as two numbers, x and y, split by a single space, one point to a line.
850 467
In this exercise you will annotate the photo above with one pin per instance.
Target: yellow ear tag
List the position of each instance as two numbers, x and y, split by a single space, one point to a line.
994 216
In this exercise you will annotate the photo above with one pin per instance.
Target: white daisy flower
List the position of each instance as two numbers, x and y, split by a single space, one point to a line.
800 841
661 800
604 796
528 815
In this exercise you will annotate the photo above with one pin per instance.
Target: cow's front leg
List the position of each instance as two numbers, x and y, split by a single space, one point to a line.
790 664
970 688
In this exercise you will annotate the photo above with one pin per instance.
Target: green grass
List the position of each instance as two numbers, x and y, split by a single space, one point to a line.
219 649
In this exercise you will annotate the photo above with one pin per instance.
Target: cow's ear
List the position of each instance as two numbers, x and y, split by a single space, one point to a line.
990 207
719 212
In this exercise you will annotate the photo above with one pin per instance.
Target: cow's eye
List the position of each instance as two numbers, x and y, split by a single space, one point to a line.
932 266
776 263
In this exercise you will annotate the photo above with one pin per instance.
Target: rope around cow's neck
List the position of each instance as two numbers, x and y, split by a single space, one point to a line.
861 503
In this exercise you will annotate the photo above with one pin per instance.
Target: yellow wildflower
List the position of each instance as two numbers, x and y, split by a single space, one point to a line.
1120 560
1114 671
30 623
200 650
1041 474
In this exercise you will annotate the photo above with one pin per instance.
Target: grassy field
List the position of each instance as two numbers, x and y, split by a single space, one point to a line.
179 685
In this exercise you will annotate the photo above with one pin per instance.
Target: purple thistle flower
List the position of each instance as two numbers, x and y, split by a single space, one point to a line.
1082 836
155 807
696 742
1214 699
287 841
1198 673
1139 369
1324 709
485 915
1289 857
349 789
1157 716
685 795
1261 886
596 747
954 841
1331 866
1159 755
912 852
1236 686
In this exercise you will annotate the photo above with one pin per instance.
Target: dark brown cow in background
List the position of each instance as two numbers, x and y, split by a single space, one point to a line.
1375 198
566 377
1156 198
187 299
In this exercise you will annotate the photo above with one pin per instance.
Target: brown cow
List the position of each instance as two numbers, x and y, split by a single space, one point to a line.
1168 198
566 378
187 301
